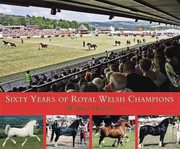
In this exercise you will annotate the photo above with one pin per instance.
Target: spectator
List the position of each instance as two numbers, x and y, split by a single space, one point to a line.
118 83
136 82
69 86
145 67
99 83
88 87
88 74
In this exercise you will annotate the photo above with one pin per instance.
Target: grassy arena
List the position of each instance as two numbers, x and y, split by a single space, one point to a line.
109 141
27 56
32 143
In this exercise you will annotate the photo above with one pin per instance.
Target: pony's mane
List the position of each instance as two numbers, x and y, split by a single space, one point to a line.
120 122
74 122
164 120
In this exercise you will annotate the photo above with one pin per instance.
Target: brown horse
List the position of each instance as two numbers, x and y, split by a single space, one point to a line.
43 46
117 131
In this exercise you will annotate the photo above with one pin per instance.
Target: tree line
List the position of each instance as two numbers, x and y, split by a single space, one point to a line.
41 22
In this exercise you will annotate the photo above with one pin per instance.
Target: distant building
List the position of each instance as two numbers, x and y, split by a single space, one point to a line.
82 29
105 30
11 27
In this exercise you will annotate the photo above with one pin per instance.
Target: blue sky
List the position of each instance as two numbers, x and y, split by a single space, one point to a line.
67 15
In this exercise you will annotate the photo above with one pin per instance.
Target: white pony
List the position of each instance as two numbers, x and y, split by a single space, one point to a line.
27 131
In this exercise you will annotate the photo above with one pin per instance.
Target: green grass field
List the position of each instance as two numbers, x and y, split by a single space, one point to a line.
27 56
32 143
109 141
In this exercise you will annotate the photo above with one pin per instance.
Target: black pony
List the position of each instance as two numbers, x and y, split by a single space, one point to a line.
5 42
69 131
117 43
91 46
155 131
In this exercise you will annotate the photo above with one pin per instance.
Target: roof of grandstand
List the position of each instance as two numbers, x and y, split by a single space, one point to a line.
82 28
166 11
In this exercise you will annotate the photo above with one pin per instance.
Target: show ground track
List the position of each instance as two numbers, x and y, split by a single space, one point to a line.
61 52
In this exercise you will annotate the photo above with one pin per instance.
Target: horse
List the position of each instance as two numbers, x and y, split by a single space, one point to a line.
117 43
28 37
5 42
128 42
10 44
115 131
42 46
139 41
69 131
27 131
91 46
160 129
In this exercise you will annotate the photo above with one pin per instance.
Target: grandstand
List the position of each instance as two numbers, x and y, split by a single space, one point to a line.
159 53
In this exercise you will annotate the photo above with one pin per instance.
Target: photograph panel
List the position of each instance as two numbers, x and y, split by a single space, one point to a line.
157 131
21 132
67 131
109 131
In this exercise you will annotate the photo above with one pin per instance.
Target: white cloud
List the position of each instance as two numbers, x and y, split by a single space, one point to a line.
6 9
66 15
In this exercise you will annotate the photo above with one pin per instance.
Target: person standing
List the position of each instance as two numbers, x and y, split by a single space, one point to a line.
50 39
82 134
28 77
22 41
54 126
84 44
177 126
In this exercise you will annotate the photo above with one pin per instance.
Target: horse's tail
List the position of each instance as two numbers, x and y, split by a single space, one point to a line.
7 128
52 135
98 130
141 132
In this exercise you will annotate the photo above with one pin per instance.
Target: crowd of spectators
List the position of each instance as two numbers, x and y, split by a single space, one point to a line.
30 32
132 70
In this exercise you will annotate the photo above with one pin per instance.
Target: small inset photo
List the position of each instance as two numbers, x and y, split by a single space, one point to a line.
111 131
67 131
24 132
157 131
